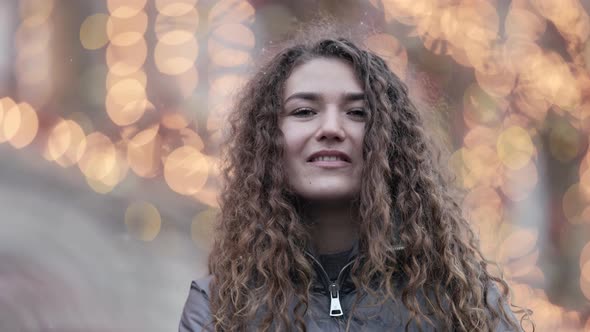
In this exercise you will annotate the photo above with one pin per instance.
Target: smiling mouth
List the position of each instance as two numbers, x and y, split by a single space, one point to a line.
327 158
329 162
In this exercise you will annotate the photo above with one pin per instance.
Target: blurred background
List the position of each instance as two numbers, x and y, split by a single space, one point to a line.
111 115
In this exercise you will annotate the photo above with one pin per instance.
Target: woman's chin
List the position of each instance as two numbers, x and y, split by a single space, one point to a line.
328 195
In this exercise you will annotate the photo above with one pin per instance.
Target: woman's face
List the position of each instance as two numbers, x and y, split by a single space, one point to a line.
323 122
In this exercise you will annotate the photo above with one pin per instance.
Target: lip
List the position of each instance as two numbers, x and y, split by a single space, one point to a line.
330 153
331 164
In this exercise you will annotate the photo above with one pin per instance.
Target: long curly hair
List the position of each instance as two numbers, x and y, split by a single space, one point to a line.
406 198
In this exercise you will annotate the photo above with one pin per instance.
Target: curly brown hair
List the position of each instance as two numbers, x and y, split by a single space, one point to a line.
406 198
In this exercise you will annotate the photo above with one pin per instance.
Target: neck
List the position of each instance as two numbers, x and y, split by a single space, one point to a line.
334 226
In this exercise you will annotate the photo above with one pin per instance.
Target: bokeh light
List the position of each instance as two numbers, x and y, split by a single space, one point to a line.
33 61
117 173
574 203
230 45
125 8
93 32
126 31
144 152
143 221
176 59
8 107
191 138
202 228
175 7
99 157
126 60
175 26
186 170
20 125
35 13
136 93
515 147
66 143
391 50
126 102
231 11
517 184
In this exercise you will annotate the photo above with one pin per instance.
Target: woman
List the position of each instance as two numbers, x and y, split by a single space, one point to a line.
334 214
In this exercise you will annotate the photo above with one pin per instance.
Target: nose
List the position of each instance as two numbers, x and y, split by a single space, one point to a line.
331 126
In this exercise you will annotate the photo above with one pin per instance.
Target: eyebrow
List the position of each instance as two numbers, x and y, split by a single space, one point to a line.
312 96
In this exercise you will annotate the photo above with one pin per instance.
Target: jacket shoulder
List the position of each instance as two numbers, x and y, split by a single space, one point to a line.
498 304
196 315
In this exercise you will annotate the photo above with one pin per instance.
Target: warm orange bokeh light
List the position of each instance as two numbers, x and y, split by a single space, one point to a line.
482 163
525 24
518 243
231 11
124 115
174 120
127 90
518 184
515 147
99 157
573 204
187 81
203 227
143 221
406 11
176 59
495 76
6 107
114 79
107 183
126 102
480 135
564 141
484 206
585 254
479 108
66 143
127 31
479 25
125 8
175 7
179 29
144 152
208 195
186 170
35 13
126 60
93 31
59 140
191 138
585 287
224 86
20 125
230 45
391 50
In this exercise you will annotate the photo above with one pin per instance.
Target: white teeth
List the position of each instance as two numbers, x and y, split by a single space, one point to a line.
326 158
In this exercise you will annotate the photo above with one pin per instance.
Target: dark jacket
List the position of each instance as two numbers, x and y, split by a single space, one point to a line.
329 309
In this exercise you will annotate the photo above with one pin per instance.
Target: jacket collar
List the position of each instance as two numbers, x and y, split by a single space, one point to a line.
321 283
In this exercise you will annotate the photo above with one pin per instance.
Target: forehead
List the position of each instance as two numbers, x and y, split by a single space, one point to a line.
328 76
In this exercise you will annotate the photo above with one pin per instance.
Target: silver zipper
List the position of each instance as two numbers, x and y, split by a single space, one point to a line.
334 287
335 308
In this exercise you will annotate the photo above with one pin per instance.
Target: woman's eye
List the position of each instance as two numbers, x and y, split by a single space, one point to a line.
303 112
358 112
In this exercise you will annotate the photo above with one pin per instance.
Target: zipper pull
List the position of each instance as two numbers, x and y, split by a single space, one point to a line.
335 308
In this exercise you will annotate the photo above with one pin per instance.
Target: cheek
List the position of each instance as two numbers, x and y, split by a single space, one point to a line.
293 145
